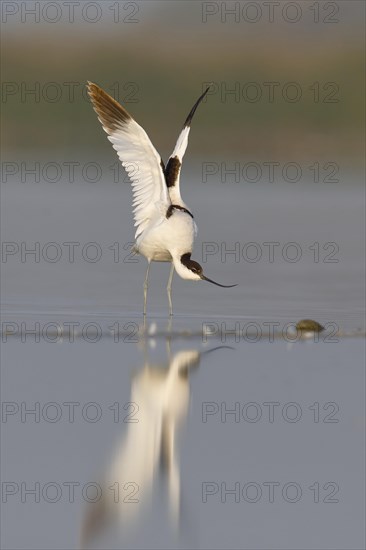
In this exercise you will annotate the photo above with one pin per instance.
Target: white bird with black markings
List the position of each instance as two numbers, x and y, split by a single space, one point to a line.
165 228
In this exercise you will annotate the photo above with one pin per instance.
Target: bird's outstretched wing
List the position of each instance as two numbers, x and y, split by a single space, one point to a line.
172 169
138 156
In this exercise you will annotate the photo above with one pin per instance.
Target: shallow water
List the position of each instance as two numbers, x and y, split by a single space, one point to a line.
291 453
324 221
299 420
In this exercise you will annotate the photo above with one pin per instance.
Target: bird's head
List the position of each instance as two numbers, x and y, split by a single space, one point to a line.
191 270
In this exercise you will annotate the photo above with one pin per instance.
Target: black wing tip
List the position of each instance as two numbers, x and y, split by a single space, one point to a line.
189 118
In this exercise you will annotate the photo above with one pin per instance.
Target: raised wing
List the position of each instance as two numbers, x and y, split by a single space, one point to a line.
173 167
138 156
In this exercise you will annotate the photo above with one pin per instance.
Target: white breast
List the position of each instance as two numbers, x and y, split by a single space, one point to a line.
172 236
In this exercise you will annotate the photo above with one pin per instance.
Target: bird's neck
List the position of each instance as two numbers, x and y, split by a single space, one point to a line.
181 269
176 198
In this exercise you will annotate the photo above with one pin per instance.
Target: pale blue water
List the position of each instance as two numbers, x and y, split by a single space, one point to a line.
315 465
324 221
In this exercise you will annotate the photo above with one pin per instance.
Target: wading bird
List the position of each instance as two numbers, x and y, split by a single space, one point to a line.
165 228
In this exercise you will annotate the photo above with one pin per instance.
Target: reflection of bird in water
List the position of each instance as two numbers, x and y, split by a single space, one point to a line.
161 393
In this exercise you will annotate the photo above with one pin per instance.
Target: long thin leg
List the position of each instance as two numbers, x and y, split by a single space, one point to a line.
146 285
169 289
168 340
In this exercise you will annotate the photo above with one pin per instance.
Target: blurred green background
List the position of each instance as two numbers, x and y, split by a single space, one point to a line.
156 58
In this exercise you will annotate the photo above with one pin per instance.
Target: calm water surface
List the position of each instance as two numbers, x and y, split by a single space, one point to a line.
212 431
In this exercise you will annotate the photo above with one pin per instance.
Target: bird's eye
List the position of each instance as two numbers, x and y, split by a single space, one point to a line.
196 269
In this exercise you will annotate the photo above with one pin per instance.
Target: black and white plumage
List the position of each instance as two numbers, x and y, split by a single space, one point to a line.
165 228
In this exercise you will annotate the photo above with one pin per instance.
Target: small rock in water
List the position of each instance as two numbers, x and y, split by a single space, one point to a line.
308 325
